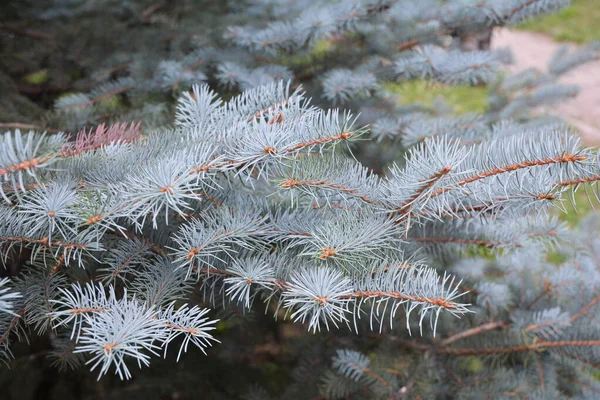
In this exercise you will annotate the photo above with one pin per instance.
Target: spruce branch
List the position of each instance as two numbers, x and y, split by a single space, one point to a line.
561 159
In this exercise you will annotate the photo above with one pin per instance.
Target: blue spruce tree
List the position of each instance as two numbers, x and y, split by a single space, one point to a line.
409 245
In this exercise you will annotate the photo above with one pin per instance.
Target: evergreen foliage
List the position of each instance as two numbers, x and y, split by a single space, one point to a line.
427 277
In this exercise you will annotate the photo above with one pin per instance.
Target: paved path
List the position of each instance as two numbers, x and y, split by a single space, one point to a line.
535 50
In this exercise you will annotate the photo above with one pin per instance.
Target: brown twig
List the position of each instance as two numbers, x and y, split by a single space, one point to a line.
26 32
476 242
473 331
291 183
540 345
426 185
147 13
18 125
564 158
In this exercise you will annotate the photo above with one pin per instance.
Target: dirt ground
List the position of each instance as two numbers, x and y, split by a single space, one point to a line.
535 50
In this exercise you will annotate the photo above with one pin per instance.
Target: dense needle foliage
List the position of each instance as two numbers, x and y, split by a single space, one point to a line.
410 243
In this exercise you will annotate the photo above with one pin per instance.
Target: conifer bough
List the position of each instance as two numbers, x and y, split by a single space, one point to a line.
254 200
136 235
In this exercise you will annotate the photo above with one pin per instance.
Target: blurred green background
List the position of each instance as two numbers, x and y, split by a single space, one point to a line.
579 23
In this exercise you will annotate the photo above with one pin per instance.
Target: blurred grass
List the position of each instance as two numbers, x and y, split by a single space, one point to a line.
317 53
578 23
461 99
37 78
